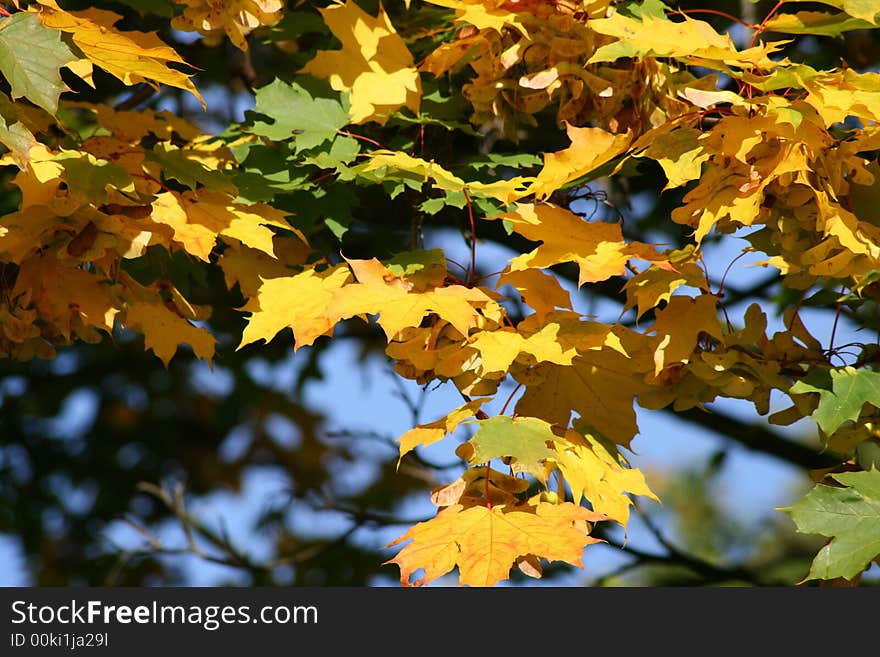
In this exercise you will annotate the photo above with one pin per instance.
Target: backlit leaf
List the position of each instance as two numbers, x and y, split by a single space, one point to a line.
850 516
131 56
30 56
484 543
374 65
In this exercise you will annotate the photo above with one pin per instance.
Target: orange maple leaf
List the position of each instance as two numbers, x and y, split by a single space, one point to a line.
484 543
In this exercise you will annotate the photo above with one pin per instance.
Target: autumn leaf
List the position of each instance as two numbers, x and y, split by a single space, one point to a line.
650 35
248 267
597 247
590 148
300 302
599 385
649 288
483 15
479 484
816 23
374 65
678 151
416 171
131 56
499 348
197 219
379 291
850 515
234 19
594 470
484 543
165 330
65 297
678 327
539 289
427 434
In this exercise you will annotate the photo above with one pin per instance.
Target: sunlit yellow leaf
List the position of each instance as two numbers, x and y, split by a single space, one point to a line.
598 248
596 472
198 218
484 543
590 148
131 56
374 65
679 325
300 302
498 349
427 434
380 292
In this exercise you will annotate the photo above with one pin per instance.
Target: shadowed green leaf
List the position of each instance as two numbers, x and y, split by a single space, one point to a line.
312 121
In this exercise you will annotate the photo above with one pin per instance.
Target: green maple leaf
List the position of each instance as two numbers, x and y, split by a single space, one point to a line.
17 138
842 393
524 439
30 56
176 164
295 112
850 515
92 176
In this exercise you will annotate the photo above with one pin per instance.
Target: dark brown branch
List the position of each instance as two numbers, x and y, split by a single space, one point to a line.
759 438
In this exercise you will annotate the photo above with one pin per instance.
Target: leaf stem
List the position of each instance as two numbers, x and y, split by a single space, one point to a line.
515 390
346 133
486 493
760 28
470 209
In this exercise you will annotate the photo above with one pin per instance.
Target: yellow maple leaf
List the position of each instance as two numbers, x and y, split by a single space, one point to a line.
590 148
679 325
499 348
164 331
677 150
197 218
379 291
599 386
374 65
598 248
690 39
250 267
130 126
427 434
299 302
484 543
839 94
478 484
236 18
596 472
483 15
648 288
64 296
540 290
131 56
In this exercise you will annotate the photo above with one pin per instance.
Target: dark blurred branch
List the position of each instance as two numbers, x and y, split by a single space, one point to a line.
760 439
675 556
